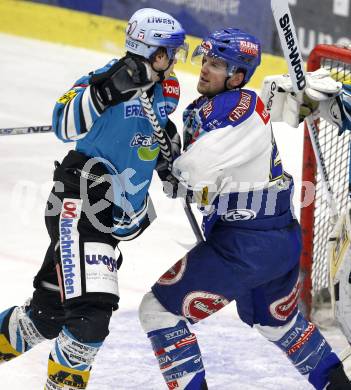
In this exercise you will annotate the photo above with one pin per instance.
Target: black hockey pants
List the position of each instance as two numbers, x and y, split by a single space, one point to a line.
68 290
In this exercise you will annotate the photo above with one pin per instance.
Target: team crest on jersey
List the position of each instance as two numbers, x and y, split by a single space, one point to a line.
238 215
198 305
148 148
67 97
242 107
284 307
174 274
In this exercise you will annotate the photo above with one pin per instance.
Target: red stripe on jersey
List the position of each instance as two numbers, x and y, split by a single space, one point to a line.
80 85
261 110
160 352
171 88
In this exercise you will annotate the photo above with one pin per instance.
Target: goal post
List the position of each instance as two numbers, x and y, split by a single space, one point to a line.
315 216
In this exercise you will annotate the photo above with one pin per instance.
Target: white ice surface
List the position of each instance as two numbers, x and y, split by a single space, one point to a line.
33 75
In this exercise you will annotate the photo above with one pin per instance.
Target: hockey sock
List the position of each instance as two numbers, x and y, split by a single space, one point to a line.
18 333
70 362
308 350
179 357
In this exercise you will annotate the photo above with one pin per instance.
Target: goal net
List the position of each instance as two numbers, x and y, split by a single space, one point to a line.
315 217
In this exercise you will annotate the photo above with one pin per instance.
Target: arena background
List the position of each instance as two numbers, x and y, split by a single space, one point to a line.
100 24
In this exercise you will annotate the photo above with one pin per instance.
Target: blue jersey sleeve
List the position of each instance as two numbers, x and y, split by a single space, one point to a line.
77 110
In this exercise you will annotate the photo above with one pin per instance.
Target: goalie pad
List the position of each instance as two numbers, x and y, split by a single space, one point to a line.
339 255
283 104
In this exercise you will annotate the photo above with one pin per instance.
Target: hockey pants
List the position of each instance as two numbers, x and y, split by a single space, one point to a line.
76 289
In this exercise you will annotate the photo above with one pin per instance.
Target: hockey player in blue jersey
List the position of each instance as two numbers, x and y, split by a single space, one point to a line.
100 197
251 254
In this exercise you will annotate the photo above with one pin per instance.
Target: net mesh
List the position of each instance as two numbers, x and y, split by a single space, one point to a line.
335 150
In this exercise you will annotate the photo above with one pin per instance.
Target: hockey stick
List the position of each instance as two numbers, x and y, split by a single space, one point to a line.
167 155
292 54
26 130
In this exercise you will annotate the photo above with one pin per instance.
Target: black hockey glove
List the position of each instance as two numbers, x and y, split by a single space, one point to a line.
174 144
125 80
171 185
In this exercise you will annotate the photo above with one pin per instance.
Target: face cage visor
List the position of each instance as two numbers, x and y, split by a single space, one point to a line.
179 53
205 50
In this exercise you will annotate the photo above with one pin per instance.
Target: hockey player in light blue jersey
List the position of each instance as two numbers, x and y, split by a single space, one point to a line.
100 197
253 242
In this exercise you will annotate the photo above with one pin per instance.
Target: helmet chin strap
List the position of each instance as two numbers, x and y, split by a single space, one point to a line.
151 60
161 73
226 84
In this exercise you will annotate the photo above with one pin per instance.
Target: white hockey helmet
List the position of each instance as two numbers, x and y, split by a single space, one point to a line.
148 29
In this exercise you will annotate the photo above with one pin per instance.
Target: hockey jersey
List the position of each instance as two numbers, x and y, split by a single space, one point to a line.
232 164
122 138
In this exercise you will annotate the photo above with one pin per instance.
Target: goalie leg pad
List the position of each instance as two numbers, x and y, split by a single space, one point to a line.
339 253
70 362
179 357
309 352
18 334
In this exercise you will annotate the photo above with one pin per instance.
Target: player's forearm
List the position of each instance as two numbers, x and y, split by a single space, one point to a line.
75 113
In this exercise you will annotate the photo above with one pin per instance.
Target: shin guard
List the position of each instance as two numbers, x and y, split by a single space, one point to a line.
179 357
70 362
18 333
310 353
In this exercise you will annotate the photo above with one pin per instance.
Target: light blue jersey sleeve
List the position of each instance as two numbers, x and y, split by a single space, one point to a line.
77 110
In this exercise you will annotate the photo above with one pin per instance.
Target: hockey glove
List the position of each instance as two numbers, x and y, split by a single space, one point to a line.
126 79
282 103
163 167
337 111
170 183
172 187
173 143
